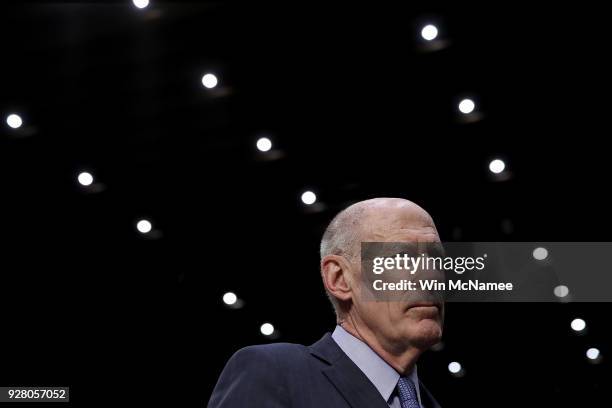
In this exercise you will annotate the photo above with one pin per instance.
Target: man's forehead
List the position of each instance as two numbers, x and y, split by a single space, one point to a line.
422 234
401 228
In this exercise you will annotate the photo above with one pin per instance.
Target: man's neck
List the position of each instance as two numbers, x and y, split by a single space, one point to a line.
401 358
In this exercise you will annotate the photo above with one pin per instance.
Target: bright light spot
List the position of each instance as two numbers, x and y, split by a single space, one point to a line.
267 329
264 144
466 106
144 226
540 253
592 353
497 166
454 367
85 179
309 197
230 298
14 121
141 3
209 81
578 325
561 291
429 32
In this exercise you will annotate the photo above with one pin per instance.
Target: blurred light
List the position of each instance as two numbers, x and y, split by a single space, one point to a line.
429 32
209 81
267 329
540 253
561 291
454 367
141 3
497 166
578 325
230 298
144 226
592 353
14 121
309 197
85 178
466 106
264 144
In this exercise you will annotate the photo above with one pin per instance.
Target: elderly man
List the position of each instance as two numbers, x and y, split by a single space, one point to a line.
370 358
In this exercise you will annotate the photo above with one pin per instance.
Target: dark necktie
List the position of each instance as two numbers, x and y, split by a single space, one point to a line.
407 393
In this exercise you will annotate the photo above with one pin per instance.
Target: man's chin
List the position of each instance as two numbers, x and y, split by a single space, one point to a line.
427 333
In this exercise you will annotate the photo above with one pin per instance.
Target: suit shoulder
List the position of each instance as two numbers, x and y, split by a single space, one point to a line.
272 351
255 376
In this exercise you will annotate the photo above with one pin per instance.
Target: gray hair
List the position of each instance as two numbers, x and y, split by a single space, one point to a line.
343 237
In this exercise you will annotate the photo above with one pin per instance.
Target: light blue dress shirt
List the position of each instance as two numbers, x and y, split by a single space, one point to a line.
382 375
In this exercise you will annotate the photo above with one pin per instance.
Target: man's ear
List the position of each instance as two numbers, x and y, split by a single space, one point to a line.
337 276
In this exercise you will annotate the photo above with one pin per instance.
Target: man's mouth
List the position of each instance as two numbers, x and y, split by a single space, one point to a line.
424 305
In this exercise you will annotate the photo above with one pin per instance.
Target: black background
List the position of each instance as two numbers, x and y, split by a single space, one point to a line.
357 106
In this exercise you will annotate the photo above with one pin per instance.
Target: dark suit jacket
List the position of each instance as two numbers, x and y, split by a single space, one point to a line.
293 375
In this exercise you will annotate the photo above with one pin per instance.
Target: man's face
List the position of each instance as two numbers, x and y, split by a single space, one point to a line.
411 319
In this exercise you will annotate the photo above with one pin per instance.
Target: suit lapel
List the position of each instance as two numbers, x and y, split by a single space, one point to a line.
348 379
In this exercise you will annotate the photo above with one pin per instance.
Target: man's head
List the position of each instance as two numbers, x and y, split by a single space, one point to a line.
396 324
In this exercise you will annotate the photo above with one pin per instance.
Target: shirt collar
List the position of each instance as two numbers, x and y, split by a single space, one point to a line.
379 372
